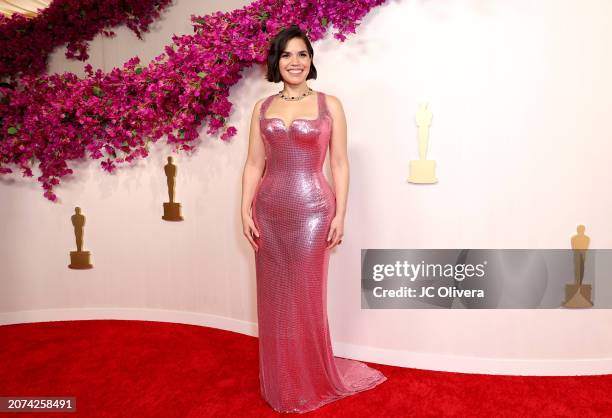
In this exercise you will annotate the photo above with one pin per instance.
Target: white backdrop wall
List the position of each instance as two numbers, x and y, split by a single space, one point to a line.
521 97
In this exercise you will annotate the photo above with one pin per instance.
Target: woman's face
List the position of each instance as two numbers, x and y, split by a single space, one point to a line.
294 62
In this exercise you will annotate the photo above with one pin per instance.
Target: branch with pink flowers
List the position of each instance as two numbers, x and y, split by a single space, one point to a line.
56 118
27 43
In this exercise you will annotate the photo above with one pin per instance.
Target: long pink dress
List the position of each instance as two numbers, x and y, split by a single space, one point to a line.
292 210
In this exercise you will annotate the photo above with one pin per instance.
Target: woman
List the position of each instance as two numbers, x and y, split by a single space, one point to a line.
292 219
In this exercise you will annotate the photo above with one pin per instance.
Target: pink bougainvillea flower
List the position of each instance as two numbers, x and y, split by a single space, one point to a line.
27 43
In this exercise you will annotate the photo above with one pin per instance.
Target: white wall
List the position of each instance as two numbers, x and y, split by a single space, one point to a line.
520 93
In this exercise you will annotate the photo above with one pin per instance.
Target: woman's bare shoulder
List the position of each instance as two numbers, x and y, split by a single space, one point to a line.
257 106
333 103
260 102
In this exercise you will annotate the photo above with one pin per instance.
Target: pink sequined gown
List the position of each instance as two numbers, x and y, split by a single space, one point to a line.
292 210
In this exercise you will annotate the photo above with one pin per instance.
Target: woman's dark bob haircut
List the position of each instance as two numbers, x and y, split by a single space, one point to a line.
277 46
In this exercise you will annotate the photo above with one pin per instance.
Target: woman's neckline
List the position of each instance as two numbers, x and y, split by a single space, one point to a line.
296 119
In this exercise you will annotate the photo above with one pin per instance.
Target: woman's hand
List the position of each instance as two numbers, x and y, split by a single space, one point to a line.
336 232
249 230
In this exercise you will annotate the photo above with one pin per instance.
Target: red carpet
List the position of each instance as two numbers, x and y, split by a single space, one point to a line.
153 369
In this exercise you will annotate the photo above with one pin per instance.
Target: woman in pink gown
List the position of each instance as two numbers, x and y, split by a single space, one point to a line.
288 216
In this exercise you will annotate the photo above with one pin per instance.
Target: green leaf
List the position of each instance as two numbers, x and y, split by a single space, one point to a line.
12 130
138 70
202 74
97 91
324 21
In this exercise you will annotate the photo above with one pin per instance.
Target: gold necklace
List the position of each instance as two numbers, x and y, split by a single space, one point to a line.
300 97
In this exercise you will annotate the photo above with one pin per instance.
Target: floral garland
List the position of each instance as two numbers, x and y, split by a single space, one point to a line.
27 43
59 117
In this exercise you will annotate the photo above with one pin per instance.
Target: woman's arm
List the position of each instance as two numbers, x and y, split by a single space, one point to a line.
339 167
253 170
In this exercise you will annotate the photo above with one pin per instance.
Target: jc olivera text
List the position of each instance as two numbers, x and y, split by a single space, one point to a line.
428 292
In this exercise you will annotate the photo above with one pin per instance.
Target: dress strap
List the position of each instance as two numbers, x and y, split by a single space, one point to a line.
264 106
322 104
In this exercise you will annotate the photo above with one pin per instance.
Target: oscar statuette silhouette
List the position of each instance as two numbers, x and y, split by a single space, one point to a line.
423 171
79 259
172 209
578 295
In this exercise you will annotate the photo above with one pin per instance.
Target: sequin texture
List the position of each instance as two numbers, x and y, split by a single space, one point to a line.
292 210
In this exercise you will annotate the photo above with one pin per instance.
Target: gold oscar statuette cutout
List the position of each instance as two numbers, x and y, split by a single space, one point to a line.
79 259
172 209
578 295
423 171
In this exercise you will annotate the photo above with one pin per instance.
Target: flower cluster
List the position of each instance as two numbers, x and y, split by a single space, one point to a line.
60 117
27 43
